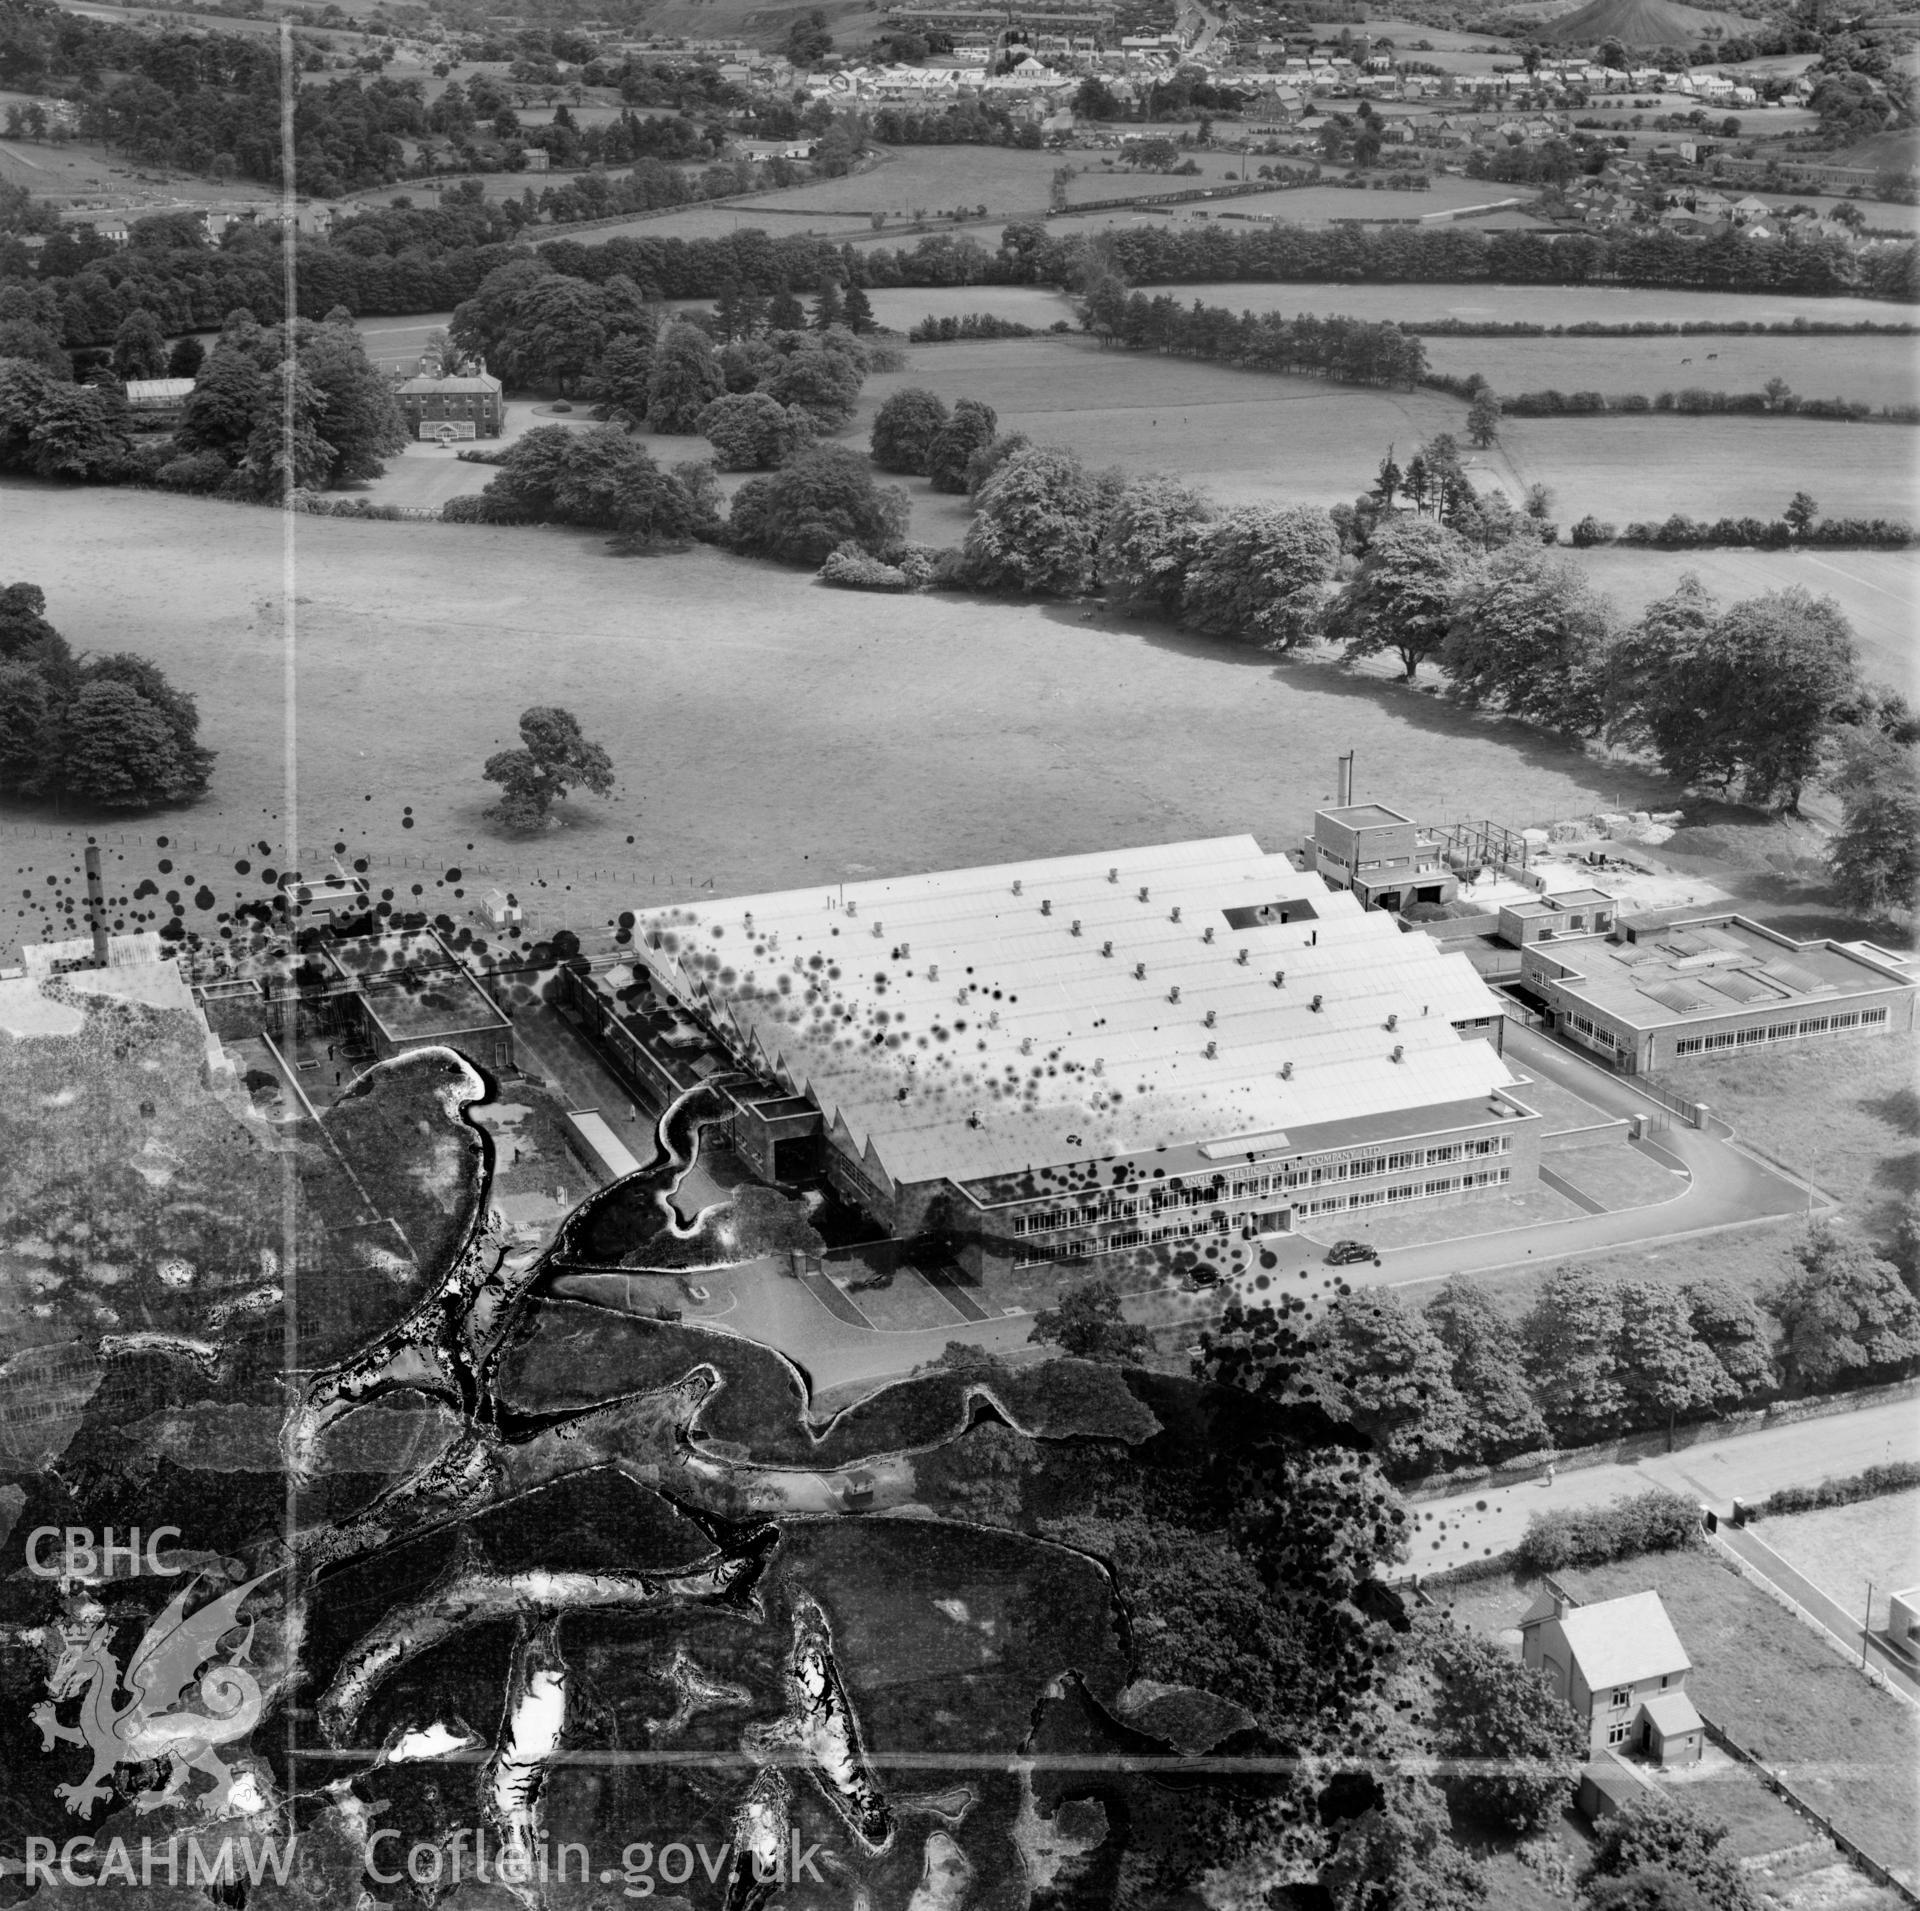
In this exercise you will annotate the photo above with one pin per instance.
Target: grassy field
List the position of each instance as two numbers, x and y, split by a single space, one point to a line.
767 731
1873 371
1842 1549
1844 1111
1774 1684
1252 438
1623 468
83 175
1878 590
1542 304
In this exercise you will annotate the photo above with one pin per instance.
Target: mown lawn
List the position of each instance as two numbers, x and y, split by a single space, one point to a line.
1844 1111
1768 1679
1783 1691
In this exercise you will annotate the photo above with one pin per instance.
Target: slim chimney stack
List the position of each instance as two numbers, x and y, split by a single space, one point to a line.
1343 778
96 907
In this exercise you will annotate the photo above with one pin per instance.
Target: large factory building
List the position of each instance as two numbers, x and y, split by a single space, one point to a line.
1091 1055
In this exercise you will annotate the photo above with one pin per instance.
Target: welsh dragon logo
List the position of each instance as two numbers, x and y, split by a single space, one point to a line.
140 1728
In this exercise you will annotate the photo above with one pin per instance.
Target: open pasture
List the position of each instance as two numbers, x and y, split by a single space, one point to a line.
82 176
1621 468
766 730
1878 590
1004 179
1541 304
768 212
1871 371
1247 437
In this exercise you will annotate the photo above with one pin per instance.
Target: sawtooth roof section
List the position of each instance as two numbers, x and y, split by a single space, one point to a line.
959 1024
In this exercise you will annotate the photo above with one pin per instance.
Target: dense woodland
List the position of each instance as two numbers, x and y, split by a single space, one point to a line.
402 260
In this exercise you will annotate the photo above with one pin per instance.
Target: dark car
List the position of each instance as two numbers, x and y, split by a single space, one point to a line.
1349 1253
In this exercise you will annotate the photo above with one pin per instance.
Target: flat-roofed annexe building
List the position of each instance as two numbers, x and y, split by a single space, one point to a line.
1383 856
1093 1054
1705 985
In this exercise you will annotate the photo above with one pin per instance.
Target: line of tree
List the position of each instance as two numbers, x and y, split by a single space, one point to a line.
109 732
944 331
1356 351
1800 525
401 260
233 435
1661 328
1459 1383
1594 1357
1776 401
210 102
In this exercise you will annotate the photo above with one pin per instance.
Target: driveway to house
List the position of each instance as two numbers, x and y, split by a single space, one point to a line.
1745 1466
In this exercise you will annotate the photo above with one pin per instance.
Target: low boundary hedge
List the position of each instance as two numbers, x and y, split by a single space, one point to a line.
1872 1484
1656 1522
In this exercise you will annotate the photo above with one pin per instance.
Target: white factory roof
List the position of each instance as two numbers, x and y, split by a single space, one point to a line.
976 1022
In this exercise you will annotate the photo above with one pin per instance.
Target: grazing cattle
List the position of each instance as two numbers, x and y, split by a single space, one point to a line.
1711 356
1686 361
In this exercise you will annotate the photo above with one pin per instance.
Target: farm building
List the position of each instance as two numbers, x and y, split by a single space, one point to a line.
1087 1055
463 405
1622 1670
1650 994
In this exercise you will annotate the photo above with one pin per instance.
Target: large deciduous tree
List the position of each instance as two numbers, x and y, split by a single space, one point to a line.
1376 1364
1738 1335
821 379
968 430
553 758
1659 1834
1845 1316
1875 856
1489 1372
904 429
140 346
1530 636
1037 523
1520 1742
1402 595
686 378
1152 536
1572 1339
1752 693
749 431
1260 574
823 497
1086 1321
1399 1855
1667 1369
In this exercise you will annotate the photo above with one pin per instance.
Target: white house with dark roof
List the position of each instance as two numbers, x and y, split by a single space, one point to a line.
1620 1666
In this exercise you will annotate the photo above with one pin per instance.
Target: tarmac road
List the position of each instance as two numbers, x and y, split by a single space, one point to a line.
1726 1186
1745 1466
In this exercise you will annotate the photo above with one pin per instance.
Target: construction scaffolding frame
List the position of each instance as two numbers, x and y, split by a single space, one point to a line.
1484 842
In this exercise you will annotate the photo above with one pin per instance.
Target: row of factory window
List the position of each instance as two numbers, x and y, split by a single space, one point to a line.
1407 1191
1256 1187
1599 1037
1082 1247
1779 1031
